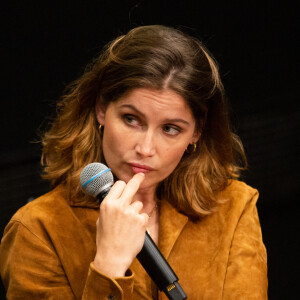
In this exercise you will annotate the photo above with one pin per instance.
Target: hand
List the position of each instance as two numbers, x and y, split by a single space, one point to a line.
120 228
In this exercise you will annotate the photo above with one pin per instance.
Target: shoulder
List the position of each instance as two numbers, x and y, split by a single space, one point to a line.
42 214
239 188
236 199
238 193
45 206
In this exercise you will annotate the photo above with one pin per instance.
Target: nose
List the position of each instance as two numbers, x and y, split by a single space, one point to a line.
145 145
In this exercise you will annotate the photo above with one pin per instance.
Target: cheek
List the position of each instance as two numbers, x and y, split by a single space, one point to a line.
116 140
111 140
172 158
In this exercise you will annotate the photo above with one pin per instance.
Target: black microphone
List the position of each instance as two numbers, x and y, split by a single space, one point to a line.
96 180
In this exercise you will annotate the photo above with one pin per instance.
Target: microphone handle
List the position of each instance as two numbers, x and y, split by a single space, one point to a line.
159 270
156 265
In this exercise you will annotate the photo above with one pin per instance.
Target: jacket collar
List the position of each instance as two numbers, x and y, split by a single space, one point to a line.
171 224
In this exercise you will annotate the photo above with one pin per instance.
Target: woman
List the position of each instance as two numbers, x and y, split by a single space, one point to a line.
152 107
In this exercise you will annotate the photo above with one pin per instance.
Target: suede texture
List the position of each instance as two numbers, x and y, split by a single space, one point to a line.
49 245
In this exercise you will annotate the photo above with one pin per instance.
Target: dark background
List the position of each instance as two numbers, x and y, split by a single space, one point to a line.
46 46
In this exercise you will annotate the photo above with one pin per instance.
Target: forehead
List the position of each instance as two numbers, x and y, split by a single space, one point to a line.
159 102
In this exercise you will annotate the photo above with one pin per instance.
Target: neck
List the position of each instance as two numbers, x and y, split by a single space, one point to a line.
148 198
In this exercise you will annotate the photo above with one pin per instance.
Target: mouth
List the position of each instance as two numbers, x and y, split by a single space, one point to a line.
138 168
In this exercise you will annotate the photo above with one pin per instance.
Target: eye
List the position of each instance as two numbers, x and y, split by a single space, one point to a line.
171 130
130 120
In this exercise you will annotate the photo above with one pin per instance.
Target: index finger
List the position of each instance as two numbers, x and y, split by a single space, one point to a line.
131 188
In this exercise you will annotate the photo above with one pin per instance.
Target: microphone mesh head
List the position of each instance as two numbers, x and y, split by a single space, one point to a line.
94 178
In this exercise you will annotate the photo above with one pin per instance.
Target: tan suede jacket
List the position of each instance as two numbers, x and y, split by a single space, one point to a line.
49 244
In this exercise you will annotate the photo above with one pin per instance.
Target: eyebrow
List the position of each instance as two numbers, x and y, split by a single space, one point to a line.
142 114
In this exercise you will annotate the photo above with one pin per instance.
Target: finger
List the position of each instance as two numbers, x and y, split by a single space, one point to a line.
131 188
145 218
116 190
137 206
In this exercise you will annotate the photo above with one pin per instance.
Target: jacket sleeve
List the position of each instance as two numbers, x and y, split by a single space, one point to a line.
30 269
246 276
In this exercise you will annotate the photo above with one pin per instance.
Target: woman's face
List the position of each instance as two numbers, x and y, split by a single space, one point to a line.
146 131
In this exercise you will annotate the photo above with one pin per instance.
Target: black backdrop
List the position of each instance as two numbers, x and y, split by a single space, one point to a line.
46 46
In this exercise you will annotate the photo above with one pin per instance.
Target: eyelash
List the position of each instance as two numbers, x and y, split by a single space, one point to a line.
172 127
129 119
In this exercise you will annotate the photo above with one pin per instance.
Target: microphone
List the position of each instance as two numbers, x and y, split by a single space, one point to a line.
96 180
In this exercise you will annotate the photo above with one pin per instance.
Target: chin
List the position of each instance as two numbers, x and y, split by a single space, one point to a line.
123 176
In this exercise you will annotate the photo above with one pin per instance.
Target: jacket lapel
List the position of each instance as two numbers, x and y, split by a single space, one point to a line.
171 224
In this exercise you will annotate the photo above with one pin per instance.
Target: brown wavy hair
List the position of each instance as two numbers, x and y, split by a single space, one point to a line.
155 57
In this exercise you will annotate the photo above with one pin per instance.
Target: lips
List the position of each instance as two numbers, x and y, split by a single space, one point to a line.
138 168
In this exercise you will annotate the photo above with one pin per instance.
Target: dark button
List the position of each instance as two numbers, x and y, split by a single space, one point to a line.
112 297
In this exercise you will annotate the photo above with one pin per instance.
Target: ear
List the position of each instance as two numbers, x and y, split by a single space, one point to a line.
198 130
196 136
100 111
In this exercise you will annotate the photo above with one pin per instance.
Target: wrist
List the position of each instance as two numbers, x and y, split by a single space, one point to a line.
111 268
